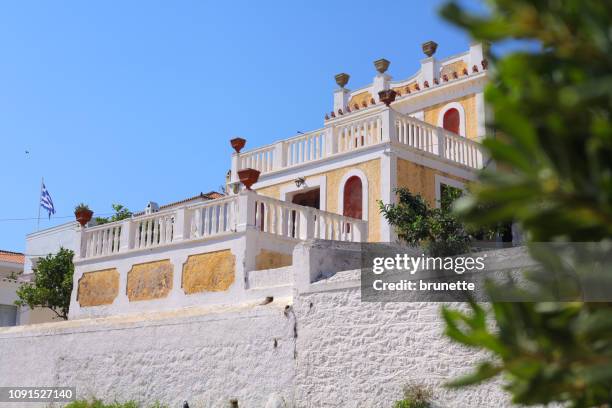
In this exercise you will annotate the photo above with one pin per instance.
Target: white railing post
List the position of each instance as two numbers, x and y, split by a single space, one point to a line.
280 159
182 224
235 168
245 218
331 142
307 223
79 243
127 235
389 133
361 229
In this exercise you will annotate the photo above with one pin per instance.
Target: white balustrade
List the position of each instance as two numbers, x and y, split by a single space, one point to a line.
348 134
359 133
305 148
213 217
261 159
154 230
101 240
216 217
299 222
438 141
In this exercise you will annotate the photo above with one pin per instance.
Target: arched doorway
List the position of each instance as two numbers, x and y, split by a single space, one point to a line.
452 120
353 198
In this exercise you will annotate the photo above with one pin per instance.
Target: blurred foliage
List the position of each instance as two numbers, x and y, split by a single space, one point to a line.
51 285
553 137
121 213
436 229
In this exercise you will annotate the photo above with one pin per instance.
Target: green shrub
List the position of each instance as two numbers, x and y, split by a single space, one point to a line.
97 403
415 396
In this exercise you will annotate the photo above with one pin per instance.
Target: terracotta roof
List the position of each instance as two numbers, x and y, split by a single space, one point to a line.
208 196
212 195
14 257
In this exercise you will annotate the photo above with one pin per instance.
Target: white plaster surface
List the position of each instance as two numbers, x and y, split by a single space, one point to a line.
322 347
206 357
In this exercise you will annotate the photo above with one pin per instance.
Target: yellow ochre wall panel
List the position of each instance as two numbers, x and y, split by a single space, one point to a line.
421 179
209 272
151 280
98 287
468 103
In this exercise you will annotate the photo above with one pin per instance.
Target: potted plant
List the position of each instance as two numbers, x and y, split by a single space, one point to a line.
83 214
248 177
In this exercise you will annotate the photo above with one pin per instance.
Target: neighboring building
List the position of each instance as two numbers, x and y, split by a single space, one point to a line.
11 266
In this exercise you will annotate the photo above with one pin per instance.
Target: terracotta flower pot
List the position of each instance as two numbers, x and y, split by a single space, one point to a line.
83 216
248 177
238 143
387 96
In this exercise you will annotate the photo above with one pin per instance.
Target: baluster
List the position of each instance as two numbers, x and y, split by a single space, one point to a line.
94 246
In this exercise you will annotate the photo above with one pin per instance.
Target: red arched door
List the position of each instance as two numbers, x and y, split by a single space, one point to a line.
451 120
353 196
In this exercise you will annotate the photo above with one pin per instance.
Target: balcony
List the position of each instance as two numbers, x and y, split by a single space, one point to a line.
257 234
359 131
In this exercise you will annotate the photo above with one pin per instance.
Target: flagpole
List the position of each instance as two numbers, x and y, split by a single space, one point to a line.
42 183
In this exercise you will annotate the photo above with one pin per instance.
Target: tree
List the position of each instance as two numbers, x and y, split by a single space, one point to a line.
52 284
436 229
551 108
121 213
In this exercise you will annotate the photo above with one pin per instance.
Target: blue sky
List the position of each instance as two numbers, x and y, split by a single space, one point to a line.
126 102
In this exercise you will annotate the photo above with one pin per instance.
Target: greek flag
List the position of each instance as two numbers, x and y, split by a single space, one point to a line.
45 201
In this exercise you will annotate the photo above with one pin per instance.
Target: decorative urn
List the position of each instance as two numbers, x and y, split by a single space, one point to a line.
342 79
430 47
382 65
387 96
238 143
248 177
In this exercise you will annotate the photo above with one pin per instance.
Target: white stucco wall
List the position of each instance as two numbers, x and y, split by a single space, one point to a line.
358 354
204 356
49 241
322 347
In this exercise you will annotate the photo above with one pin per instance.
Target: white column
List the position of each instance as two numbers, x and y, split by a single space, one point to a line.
235 168
280 159
245 218
341 99
331 142
388 125
79 243
126 240
428 71
388 178
481 119
381 82
181 225
361 230
476 56
307 224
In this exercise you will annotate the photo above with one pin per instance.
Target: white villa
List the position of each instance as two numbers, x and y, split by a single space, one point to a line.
421 132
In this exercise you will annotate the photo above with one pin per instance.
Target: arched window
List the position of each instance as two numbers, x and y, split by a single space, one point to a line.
353 198
452 120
